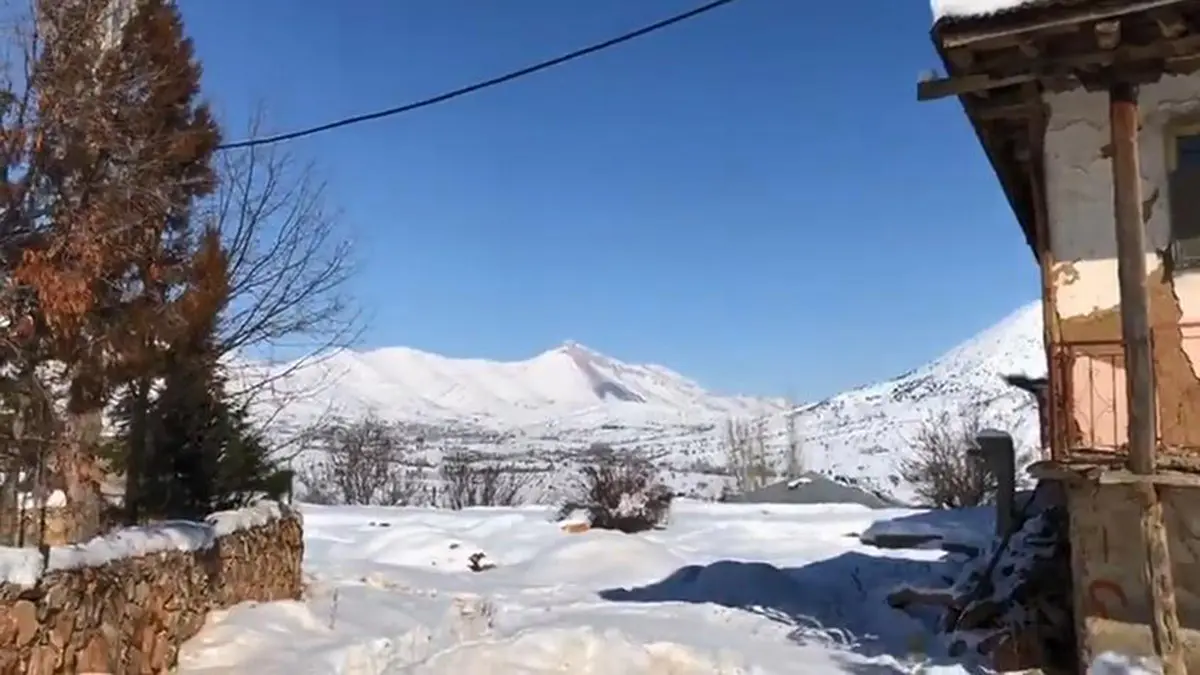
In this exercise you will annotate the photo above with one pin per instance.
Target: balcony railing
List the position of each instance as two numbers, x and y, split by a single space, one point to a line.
1089 411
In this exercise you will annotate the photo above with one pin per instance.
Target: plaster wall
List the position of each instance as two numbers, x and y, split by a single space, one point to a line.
1084 288
1112 609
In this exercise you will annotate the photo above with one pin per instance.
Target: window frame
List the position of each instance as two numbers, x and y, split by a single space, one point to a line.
1182 126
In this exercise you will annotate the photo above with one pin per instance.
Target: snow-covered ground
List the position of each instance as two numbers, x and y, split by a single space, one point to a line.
723 589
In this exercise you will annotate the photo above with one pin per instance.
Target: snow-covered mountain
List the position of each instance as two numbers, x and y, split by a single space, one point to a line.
569 386
571 397
864 432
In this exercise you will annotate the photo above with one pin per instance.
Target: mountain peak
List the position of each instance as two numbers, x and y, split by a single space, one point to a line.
575 347
569 381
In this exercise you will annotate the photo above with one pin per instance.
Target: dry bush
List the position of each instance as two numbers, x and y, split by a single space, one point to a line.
469 480
940 469
620 492
365 463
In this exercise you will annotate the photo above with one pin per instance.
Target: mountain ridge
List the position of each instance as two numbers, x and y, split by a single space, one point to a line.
403 383
571 396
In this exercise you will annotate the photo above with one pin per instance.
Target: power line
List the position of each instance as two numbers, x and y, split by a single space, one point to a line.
478 86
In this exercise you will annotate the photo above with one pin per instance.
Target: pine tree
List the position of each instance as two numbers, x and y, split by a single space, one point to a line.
203 452
122 148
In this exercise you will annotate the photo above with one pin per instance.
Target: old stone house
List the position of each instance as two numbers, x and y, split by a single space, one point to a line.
1089 112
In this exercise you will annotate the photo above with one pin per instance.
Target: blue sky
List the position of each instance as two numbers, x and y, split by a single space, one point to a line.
753 198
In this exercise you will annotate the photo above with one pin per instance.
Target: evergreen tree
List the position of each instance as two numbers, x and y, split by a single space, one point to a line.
203 454
122 148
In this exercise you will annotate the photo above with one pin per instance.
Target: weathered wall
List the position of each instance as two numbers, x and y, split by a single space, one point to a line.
1111 605
1083 244
126 602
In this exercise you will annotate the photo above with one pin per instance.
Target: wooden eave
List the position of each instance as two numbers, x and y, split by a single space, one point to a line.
999 67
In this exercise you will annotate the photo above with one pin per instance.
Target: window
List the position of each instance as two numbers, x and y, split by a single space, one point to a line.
1184 190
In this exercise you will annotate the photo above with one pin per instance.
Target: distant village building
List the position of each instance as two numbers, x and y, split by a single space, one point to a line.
814 488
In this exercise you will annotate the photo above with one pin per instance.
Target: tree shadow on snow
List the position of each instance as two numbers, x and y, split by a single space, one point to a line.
840 600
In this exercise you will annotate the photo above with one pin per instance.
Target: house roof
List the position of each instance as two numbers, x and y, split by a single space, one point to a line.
957 9
1002 56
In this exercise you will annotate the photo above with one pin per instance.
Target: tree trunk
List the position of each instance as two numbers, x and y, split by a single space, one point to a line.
135 461
10 516
81 475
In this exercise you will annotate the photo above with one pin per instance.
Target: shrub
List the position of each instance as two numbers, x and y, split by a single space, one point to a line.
620 492
366 462
940 468
471 481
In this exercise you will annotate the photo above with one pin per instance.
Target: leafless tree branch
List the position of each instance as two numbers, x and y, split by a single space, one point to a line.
289 263
941 470
363 463
469 481
746 454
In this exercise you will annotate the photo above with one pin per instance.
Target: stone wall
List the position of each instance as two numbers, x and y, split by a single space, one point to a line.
124 603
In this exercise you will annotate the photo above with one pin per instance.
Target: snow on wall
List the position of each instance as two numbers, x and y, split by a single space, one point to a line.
1083 242
24 566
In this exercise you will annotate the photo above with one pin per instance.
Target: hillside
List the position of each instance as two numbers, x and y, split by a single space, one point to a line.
570 397
863 432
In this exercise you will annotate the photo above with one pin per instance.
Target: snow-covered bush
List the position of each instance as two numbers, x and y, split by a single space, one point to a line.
620 492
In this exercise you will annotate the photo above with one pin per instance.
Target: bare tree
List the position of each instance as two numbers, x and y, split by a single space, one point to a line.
469 480
941 470
364 463
289 262
746 454
795 449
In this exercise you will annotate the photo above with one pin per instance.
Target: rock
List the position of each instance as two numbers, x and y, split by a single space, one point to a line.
576 528
1021 616
24 613
1018 652
94 658
478 562
44 660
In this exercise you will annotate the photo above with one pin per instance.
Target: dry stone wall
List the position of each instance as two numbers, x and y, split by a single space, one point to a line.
124 603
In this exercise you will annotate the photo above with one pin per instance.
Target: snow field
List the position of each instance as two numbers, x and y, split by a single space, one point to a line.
753 589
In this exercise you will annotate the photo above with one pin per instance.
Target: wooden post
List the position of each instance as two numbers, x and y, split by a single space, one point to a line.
1139 370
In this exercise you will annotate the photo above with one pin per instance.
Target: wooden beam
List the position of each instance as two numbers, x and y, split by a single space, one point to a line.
1123 477
1181 65
1011 111
1171 23
929 90
1139 371
1131 266
1108 34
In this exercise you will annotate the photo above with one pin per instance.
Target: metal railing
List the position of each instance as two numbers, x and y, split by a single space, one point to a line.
1088 407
